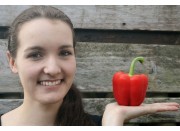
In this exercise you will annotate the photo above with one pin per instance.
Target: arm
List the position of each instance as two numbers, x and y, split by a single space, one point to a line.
115 115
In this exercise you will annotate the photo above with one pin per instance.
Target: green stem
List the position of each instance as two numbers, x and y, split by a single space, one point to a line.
131 71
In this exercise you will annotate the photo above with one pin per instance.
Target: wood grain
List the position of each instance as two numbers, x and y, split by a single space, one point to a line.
97 62
131 17
100 57
96 106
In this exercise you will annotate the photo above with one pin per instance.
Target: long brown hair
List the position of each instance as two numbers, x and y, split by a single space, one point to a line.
71 111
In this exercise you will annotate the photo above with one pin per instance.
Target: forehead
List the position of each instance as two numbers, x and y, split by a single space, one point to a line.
44 24
44 30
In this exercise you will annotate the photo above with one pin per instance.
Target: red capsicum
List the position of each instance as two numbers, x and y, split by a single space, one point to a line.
130 89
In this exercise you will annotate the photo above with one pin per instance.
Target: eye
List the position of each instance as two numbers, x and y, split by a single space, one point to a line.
65 53
35 55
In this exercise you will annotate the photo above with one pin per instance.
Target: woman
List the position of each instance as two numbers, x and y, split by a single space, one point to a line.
41 50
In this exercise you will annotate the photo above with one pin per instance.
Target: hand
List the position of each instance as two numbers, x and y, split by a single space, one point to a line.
116 115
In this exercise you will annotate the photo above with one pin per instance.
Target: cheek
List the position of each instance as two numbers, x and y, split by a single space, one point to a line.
28 73
70 68
27 70
33 72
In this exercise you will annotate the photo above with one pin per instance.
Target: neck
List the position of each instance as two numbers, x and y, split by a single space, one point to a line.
38 114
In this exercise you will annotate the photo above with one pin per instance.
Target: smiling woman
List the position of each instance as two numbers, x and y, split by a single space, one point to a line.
41 50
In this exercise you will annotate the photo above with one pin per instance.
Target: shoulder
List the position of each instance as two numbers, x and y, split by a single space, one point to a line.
8 118
96 119
1 116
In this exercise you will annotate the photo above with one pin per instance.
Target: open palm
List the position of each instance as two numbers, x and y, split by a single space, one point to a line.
116 115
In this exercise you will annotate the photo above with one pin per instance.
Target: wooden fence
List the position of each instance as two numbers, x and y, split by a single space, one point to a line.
109 37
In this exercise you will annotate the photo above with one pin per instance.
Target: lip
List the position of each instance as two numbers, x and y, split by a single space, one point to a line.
51 88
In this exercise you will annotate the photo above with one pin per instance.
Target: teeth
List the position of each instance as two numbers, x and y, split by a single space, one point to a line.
47 83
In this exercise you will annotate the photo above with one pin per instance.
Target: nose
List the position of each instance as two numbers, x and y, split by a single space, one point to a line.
52 67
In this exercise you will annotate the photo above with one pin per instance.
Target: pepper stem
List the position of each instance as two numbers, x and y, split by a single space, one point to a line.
131 71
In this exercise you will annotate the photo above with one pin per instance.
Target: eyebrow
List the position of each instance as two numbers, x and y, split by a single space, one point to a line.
41 49
34 48
66 46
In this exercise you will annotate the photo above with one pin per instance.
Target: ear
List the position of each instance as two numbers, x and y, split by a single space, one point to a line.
12 63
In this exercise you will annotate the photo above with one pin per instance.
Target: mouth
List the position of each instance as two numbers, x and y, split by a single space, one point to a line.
50 82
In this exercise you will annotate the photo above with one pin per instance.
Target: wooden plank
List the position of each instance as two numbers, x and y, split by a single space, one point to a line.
96 106
127 36
120 36
156 17
97 62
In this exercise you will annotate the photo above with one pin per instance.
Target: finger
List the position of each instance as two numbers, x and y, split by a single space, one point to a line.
166 107
170 103
161 107
163 104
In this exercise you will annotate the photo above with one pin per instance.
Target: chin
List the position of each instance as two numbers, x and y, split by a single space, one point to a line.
50 102
50 99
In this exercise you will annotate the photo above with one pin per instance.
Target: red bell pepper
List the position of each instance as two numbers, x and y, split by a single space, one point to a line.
130 89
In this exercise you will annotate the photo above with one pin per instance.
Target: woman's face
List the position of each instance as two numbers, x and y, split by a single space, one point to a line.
45 60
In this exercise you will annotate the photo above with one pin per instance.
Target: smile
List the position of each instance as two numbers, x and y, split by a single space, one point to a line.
50 83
